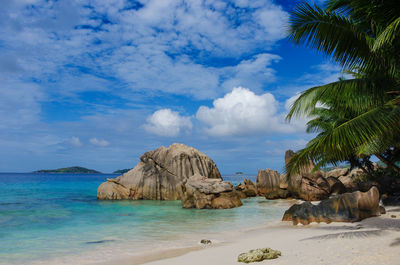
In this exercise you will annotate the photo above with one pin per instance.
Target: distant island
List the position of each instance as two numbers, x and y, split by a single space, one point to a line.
77 170
239 173
121 171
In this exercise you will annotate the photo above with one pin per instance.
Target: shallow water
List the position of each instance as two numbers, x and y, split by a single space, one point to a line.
55 218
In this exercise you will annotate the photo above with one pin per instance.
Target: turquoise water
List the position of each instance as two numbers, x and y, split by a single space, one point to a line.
56 219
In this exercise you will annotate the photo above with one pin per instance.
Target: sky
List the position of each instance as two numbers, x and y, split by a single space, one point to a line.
97 83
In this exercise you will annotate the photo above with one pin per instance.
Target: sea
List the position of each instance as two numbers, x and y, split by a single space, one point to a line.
56 219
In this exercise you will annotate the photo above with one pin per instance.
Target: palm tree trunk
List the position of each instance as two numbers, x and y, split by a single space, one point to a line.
388 163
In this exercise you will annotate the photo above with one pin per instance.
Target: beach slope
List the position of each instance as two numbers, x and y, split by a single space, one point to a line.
375 240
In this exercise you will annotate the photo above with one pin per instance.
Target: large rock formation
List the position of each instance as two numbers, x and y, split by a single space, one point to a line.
347 207
267 180
308 185
159 175
272 185
203 193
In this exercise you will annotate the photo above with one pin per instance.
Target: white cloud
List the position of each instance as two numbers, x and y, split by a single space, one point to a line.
75 141
242 112
271 19
128 57
99 142
166 122
169 42
19 103
254 72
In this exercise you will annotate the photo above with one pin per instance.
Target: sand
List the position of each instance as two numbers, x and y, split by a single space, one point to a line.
375 240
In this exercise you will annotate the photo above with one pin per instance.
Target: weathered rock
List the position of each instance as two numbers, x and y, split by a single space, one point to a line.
355 173
306 170
226 200
283 183
366 185
159 175
259 254
338 172
113 190
246 189
241 194
203 193
277 194
313 188
348 182
267 180
205 241
308 185
347 207
336 186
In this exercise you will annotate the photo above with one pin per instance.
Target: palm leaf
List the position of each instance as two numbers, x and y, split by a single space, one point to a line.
388 35
330 33
342 142
353 95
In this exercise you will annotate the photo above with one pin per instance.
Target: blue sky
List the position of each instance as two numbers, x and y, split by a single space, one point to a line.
97 83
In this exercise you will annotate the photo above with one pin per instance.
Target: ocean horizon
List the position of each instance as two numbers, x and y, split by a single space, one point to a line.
48 218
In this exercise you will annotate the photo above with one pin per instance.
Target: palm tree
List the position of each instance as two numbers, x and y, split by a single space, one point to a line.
361 36
325 120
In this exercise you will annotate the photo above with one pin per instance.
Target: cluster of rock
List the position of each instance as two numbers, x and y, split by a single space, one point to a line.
347 207
342 198
178 172
259 254
308 185
203 193
246 189
312 186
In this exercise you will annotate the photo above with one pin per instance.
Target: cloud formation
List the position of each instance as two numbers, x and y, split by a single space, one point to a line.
155 46
166 122
242 112
69 68
99 142
75 141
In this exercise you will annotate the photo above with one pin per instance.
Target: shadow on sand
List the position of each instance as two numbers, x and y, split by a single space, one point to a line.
396 242
376 227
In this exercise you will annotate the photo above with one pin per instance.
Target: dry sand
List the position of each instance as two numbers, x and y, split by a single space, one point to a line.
373 241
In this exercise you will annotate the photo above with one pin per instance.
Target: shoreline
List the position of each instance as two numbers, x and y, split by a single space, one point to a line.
375 240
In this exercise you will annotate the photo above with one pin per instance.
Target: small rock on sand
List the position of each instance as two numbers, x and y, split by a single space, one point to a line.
205 241
259 254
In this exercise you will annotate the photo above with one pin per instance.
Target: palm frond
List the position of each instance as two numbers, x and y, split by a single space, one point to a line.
330 33
354 95
388 35
342 142
347 137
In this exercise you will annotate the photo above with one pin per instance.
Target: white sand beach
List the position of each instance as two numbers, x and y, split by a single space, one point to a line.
375 240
